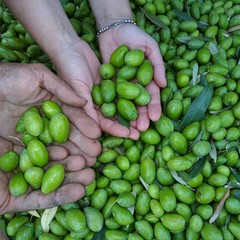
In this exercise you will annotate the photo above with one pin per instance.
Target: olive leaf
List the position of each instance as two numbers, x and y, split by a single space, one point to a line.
146 186
34 213
197 167
238 54
154 19
47 217
236 194
235 173
178 178
219 207
199 106
123 121
196 139
233 29
131 209
223 145
213 151
119 150
233 185
99 235
186 39
232 145
203 80
185 16
194 79
213 48
221 110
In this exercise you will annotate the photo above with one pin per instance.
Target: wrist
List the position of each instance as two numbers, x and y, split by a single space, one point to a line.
113 25
107 12
62 41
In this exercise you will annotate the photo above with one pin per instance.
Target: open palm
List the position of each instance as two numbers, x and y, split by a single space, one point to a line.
72 189
79 67
134 37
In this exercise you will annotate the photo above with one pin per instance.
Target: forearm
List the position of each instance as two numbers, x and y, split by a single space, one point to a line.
46 21
109 11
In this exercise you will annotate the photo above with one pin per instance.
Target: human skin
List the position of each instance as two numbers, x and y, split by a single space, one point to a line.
47 22
131 35
25 85
75 61
77 176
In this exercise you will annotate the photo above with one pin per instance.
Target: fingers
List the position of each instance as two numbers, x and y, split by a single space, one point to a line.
74 150
58 87
116 129
72 163
154 107
37 200
85 177
154 55
57 153
143 119
90 147
82 121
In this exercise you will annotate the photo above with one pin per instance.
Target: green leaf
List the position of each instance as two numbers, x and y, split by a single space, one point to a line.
186 39
203 80
184 176
213 151
185 16
235 173
194 79
221 110
199 136
197 167
99 235
176 176
232 145
47 217
219 207
213 48
154 19
236 194
119 150
123 121
234 185
238 55
199 106
146 185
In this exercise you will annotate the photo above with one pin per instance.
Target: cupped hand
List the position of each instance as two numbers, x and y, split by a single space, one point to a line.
77 176
78 65
24 85
136 38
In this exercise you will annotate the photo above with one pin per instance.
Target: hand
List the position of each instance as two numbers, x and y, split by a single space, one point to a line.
26 85
72 189
134 37
78 65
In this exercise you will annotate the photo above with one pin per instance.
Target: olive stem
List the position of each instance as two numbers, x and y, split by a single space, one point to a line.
235 28
18 139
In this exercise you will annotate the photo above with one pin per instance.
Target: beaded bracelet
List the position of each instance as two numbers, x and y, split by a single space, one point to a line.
113 25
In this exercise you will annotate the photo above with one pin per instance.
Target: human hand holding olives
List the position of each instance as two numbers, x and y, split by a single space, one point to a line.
128 34
74 60
135 38
77 175
81 71
24 85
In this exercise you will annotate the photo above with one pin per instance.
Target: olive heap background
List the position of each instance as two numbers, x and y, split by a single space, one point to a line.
181 179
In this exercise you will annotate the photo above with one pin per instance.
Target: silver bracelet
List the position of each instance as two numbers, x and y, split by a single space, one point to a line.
113 25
